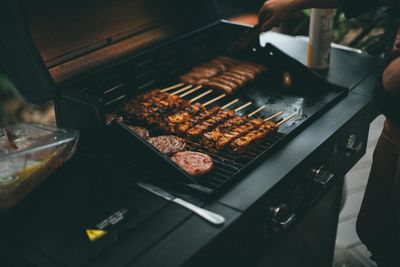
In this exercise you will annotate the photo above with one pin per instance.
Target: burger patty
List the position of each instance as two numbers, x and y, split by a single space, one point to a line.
142 132
194 163
168 144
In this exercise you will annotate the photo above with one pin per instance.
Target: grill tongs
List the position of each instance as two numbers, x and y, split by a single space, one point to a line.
205 214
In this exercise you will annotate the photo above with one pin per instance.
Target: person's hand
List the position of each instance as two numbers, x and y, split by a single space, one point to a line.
274 12
391 76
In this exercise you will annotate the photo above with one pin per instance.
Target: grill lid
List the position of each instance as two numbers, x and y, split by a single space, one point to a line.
44 42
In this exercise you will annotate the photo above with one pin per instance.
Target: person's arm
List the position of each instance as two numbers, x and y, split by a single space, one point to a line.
391 76
274 12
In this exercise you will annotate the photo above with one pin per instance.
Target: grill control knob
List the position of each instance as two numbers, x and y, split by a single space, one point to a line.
281 218
321 176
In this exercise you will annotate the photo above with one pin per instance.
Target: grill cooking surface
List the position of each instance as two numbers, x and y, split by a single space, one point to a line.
229 166
109 89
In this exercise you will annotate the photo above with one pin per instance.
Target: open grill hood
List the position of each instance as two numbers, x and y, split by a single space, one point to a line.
44 43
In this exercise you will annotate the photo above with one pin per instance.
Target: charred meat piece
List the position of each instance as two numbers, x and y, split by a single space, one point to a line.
142 132
113 116
210 138
197 131
194 163
182 128
237 132
153 112
174 123
168 144
253 138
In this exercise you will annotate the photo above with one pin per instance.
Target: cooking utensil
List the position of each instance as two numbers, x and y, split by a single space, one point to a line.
248 38
205 214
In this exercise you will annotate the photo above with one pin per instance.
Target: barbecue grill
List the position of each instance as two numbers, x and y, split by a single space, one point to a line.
93 73
95 56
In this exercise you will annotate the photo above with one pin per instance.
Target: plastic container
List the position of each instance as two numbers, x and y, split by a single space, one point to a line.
28 155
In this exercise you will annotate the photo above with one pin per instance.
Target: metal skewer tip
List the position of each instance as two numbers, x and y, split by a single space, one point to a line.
172 87
230 104
191 91
287 119
256 111
213 100
274 116
201 96
243 107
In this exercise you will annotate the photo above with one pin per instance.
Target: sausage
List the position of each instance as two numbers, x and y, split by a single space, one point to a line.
224 82
234 80
218 86
249 76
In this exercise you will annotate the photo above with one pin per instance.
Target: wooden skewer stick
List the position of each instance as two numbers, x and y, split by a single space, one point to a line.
243 107
274 116
182 90
213 100
200 96
172 87
191 91
256 111
287 119
230 104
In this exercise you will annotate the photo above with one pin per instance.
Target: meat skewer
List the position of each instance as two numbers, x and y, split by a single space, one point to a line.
172 87
256 111
200 96
154 109
222 132
182 121
243 107
191 91
213 100
226 138
255 137
182 90
287 119
198 130
230 104
274 116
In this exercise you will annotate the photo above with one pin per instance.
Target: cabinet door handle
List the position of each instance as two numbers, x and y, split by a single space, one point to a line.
283 224
354 149
281 218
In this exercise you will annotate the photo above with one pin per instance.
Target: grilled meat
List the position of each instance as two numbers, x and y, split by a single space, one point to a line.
237 132
142 132
253 138
168 144
197 131
223 73
180 123
194 163
210 138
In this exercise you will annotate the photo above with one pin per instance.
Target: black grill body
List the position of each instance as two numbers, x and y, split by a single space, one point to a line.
83 104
